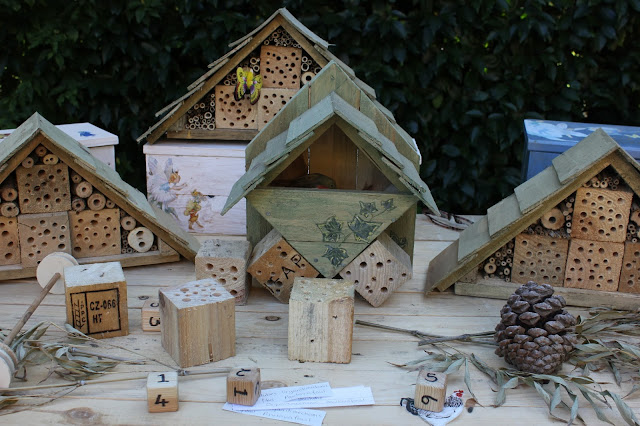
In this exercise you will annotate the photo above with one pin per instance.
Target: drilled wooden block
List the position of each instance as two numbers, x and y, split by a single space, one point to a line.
321 320
539 258
594 265
198 322
271 102
44 188
601 214
630 275
95 233
226 262
232 114
431 390
275 265
9 242
96 299
41 234
280 66
379 270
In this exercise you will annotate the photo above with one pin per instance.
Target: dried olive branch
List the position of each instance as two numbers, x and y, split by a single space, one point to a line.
432 338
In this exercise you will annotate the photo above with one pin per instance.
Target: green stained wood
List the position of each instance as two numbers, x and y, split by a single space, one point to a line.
403 230
474 237
503 214
328 259
310 119
627 168
441 266
532 192
321 87
578 158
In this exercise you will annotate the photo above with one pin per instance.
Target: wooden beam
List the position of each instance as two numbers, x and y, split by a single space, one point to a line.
217 134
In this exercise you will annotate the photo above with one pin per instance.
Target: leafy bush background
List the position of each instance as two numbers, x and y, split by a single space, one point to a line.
460 76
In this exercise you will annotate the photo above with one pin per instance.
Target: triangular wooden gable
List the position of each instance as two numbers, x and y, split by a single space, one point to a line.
38 131
310 43
529 202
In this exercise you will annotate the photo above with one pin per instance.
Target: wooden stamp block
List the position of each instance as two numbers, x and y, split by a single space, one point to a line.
9 241
594 265
226 261
280 66
601 214
96 298
379 270
243 386
275 264
271 102
539 258
321 320
232 114
431 391
95 233
630 275
198 322
151 316
162 392
44 188
41 234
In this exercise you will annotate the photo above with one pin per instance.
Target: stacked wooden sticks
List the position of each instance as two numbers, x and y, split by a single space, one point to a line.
280 37
499 264
86 197
202 114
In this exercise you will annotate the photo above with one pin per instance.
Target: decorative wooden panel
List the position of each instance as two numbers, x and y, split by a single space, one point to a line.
601 214
280 66
630 275
232 114
9 245
539 258
594 265
271 102
95 233
43 188
41 234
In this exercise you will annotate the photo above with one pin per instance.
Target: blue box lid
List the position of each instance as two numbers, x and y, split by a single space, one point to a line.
558 136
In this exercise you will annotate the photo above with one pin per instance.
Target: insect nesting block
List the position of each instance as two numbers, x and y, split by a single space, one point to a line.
226 262
96 298
321 320
243 386
431 390
198 322
379 270
275 264
162 392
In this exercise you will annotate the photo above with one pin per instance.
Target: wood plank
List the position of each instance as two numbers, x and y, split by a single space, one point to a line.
215 134
574 161
334 155
474 237
403 230
627 168
503 214
190 148
443 265
534 191
497 289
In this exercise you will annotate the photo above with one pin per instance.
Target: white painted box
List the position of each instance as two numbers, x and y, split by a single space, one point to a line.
191 181
100 142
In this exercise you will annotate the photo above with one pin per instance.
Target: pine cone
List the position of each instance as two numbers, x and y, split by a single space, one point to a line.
535 332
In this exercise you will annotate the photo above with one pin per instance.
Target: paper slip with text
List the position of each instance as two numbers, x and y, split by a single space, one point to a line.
296 415
289 393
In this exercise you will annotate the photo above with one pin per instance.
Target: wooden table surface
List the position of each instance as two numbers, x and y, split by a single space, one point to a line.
263 343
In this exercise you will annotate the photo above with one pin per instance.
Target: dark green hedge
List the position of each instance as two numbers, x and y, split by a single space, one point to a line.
459 75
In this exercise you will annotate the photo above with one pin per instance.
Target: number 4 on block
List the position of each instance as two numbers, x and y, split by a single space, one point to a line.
431 390
162 392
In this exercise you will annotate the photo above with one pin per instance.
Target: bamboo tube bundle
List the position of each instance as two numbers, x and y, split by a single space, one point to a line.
83 189
9 209
75 177
41 151
29 161
8 189
96 201
78 204
109 204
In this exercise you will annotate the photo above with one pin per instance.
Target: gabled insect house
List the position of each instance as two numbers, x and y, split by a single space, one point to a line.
223 110
575 225
57 197
332 185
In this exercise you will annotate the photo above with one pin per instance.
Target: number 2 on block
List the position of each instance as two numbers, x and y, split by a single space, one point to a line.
161 401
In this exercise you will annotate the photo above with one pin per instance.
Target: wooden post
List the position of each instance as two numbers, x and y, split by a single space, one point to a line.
198 322
275 264
431 390
243 386
226 261
96 298
151 316
321 320
162 392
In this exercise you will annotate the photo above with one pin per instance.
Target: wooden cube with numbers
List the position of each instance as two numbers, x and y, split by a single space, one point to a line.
243 386
431 390
151 316
96 299
162 392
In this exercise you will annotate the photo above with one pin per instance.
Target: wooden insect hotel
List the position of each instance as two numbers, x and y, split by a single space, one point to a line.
191 181
575 225
332 173
57 197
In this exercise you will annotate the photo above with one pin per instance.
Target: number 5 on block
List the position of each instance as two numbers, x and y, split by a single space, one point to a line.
162 392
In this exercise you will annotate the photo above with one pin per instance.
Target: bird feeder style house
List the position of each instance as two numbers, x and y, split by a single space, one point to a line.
333 174
575 225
